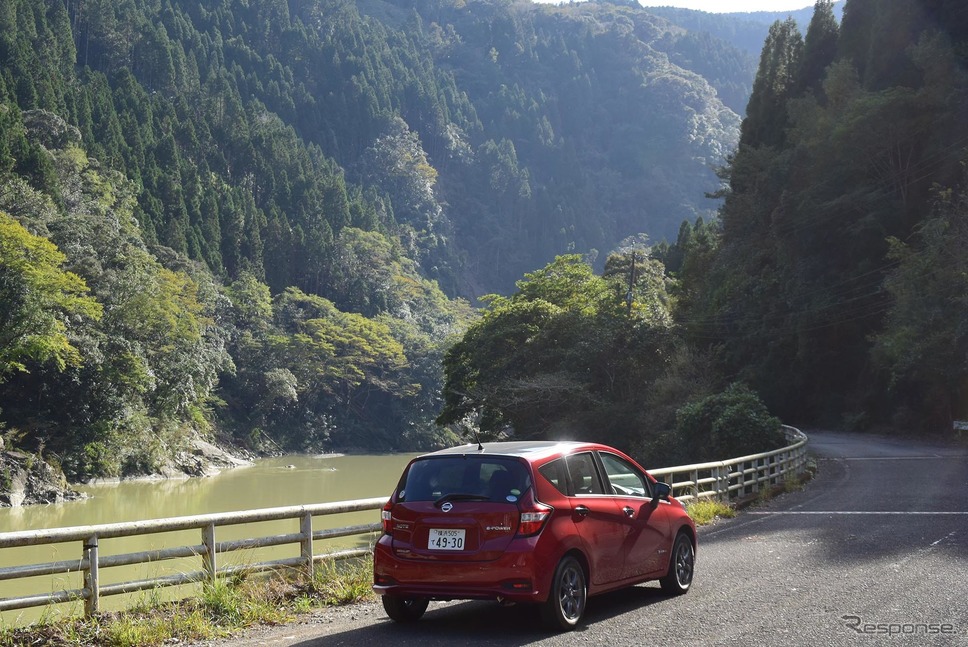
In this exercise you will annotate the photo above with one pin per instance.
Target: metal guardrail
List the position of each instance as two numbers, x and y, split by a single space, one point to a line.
738 477
721 479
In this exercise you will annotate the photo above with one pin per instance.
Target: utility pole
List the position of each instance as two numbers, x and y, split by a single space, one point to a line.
630 295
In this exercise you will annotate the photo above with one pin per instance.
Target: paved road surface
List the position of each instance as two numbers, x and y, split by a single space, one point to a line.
874 551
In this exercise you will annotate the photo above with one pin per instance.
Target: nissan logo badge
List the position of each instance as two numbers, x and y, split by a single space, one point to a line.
447 507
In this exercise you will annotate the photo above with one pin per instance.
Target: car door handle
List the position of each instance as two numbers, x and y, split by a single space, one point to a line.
629 512
581 511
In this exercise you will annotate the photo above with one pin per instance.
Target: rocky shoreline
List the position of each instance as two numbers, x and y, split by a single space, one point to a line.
26 479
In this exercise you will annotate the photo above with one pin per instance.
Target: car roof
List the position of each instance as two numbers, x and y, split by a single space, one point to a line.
529 449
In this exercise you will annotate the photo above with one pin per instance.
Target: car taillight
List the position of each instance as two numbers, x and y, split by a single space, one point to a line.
386 516
533 518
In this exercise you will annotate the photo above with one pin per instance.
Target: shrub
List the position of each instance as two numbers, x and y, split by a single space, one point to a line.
732 423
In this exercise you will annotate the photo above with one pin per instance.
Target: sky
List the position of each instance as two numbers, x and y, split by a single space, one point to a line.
731 6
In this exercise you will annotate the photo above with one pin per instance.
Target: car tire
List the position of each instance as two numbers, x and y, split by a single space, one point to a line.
401 609
682 564
569 593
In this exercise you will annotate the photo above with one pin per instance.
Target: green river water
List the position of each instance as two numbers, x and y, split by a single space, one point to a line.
282 481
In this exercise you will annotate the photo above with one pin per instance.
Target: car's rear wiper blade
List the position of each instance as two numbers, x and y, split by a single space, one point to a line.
457 496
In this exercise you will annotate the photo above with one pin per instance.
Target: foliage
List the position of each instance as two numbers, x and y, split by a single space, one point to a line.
276 203
342 582
238 120
732 423
151 360
925 342
849 136
563 357
311 376
745 31
37 300
706 511
255 217
765 122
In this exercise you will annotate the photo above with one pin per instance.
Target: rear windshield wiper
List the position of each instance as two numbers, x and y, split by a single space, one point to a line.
460 497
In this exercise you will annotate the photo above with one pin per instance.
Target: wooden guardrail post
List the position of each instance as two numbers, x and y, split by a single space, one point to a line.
306 551
92 596
209 559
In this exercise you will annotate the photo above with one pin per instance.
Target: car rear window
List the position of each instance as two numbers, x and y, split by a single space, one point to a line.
488 477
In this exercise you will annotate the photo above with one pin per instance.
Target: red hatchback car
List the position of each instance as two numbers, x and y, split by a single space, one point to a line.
549 523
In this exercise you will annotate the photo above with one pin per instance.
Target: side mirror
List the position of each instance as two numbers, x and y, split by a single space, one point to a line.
661 491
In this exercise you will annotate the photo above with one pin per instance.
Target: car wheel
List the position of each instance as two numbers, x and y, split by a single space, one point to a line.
681 566
566 601
401 609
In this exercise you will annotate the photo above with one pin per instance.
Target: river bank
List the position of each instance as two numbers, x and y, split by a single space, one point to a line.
28 479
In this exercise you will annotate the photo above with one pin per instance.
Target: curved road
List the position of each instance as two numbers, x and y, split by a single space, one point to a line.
874 551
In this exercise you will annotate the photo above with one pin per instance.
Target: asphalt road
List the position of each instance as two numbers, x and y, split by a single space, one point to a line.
874 551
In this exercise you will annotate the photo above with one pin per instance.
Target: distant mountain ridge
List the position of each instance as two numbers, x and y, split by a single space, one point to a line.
744 30
607 122
492 135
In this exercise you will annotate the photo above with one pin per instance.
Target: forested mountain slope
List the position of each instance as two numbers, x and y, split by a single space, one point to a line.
834 287
259 214
831 288
746 30
590 133
493 135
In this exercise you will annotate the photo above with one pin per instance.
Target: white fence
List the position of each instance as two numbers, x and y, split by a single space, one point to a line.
91 562
738 477
723 480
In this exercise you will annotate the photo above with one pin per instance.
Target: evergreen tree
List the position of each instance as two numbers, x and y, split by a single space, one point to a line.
766 114
820 47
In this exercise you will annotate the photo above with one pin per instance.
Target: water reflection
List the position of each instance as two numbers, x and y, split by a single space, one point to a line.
282 481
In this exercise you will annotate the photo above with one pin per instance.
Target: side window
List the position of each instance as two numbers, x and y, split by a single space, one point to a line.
584 474
555 473
624 478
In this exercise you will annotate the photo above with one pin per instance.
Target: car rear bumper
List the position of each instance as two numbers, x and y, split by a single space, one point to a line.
459 593
517 575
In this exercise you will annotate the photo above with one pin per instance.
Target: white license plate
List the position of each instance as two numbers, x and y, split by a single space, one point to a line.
446 539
